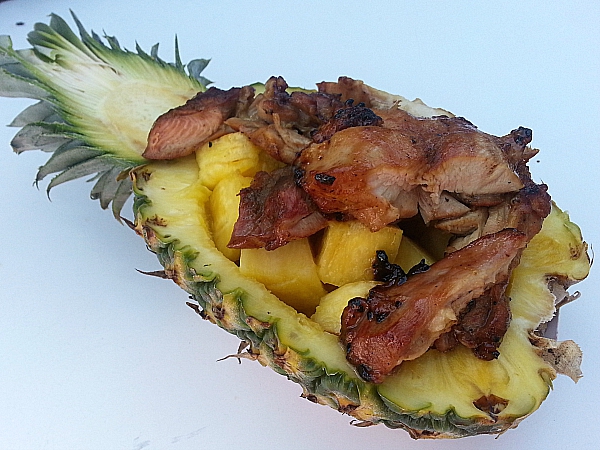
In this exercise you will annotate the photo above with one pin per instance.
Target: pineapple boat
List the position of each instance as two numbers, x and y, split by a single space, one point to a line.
396 262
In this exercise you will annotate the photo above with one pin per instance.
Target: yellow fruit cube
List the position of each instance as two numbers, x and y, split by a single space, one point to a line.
329 311
289 272
224 205
410 254
348 251
229 154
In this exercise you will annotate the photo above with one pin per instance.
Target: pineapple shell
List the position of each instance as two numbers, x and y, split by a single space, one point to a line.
437 395
433 396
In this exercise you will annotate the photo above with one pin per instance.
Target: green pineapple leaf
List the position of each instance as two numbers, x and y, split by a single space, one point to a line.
96 103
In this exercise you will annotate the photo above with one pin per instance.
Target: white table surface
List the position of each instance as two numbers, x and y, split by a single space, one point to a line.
94 355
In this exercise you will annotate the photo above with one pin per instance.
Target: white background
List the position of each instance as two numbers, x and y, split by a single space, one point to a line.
94 355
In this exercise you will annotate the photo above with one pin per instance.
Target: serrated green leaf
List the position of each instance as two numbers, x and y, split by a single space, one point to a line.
154 52
195 67
14 67
5 42
113 42
178 62
122 195
37 136
106 187
41 111
18 87
89 167
68 155
58 24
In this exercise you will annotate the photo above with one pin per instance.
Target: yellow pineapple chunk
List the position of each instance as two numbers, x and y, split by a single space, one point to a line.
329 311
229 154
224 203
289 272
348 250
410 254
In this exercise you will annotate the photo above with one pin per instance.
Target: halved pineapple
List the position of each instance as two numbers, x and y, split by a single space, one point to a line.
438 394
183 211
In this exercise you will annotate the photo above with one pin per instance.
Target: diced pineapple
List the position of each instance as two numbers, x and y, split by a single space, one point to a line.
289 272
348 250
329 311
229 154
224 205
410 254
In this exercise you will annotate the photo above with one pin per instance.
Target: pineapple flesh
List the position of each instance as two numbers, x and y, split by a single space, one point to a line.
284 304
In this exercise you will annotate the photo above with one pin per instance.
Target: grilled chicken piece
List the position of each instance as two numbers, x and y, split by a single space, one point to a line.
282 124
370 173
469 163
524 211
180 131
280 142
400 323
350 116
484 322
444 206
461 158
305 111
466 224
346 88
274 211
376 174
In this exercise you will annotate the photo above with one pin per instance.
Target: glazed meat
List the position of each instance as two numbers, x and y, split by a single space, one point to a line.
350 116
370 173
401 322
180 131
382 174
282 124
303 110
483 323
274 211
282 143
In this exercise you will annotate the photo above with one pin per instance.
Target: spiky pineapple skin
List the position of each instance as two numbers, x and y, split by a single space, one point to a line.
347 395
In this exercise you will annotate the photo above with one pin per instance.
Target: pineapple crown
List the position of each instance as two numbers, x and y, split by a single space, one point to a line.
73 78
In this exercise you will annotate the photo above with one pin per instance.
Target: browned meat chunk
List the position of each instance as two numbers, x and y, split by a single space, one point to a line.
305 111
348 89
282 143
524 211
352 116
400 323
444 206
274 211
369 173
380 172
469 163
462 159
481 325
281 123
484 322
466 224
180 131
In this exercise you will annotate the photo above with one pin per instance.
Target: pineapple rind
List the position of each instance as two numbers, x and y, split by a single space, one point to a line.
298 348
